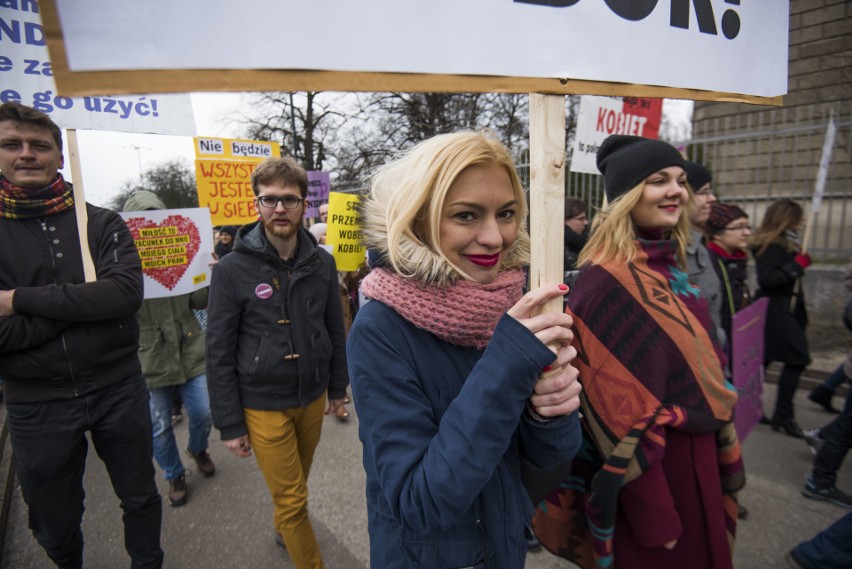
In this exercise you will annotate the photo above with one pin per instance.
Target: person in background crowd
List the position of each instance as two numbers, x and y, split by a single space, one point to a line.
780 268
832 442
446 360
576 223
701 271
171 350
323 213
829 549
225 243
276 349
655 484
727 229
318 230
68 349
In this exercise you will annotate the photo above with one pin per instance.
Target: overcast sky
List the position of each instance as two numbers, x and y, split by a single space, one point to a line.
109 159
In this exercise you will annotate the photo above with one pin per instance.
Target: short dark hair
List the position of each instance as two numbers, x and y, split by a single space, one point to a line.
284 170
574 207
14 111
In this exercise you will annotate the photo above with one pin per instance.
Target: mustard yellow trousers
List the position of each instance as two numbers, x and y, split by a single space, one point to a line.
284 442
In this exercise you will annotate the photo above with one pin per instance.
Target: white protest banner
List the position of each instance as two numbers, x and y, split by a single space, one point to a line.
175 246
824 164
319 184
711 45
600 117
26 76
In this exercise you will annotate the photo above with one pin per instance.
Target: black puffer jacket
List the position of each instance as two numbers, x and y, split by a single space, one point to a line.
68 338
275 335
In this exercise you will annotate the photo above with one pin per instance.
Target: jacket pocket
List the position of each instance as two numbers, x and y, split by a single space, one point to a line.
149 337
460 547
260 361
445 555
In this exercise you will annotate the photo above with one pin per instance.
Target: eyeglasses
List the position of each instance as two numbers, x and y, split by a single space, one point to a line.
290 202
737 228
707 192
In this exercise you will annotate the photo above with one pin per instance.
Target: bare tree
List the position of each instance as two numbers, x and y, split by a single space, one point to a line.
315 117
172 181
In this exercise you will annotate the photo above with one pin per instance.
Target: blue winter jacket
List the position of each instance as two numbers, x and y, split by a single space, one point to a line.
443 429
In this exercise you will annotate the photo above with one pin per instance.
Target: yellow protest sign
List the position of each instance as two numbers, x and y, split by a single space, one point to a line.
223 170
344 232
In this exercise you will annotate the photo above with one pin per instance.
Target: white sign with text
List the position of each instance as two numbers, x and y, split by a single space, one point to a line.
712 45
26 76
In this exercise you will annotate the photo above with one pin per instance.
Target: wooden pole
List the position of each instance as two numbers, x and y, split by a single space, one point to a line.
547 192
80 206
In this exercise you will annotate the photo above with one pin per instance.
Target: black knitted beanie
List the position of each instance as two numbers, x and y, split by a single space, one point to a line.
626 160
697 175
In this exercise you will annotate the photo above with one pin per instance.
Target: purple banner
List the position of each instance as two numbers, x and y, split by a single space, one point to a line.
747 342
319 184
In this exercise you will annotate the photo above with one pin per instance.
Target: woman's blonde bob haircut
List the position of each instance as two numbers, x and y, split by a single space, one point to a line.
401 216
613 234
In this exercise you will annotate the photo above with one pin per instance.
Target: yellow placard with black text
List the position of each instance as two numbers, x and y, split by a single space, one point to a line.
344 231
223 170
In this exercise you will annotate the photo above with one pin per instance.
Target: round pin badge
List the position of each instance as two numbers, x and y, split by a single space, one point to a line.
263 291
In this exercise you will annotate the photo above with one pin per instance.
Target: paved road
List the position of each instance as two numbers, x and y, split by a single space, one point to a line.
227 522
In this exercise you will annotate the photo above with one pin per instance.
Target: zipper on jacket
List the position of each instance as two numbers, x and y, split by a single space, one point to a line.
62 336
115 246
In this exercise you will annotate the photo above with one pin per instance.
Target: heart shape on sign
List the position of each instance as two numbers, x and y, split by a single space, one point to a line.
165 247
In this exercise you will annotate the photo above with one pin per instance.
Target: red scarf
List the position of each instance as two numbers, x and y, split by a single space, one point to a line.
736 255
25 203
464 313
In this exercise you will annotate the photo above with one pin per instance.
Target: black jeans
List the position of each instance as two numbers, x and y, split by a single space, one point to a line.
50 447
788 382
837 438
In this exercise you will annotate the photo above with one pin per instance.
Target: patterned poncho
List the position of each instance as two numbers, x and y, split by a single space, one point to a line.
647 364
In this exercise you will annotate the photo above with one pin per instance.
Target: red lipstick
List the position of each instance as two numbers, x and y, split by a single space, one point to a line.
484 260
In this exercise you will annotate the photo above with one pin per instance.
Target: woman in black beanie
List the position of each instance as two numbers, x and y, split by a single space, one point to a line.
656 480
225 244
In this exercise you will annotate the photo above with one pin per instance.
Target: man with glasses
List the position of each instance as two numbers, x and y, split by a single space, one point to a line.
276 348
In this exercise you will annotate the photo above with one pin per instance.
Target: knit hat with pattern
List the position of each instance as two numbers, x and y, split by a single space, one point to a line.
721 214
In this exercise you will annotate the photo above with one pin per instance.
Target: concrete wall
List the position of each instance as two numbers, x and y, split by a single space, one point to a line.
825 298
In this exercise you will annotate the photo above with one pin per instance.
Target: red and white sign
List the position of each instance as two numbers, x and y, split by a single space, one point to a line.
600 117
175 247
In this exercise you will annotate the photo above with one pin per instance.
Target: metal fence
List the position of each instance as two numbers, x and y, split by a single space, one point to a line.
757 157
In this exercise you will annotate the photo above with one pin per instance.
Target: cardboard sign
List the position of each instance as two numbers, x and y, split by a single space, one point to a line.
223 168
344 232
319 184
175 247
747 347
738 47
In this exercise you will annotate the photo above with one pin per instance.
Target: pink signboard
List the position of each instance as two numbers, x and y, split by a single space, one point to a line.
747 343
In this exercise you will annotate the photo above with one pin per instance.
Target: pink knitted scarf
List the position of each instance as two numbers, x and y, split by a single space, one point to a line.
464 313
